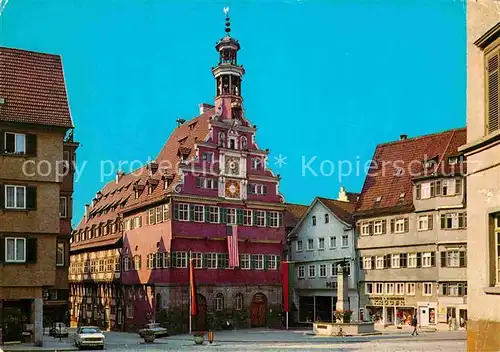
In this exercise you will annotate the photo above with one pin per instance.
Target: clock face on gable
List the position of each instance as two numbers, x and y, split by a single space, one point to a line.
232 165
232 189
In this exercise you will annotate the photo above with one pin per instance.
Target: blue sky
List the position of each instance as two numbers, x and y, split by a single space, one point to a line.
329 80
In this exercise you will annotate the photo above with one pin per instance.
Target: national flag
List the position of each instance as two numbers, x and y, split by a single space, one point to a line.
232 246
285 284
192 288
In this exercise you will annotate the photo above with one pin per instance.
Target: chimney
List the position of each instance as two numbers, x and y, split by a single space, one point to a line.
87 206
403 137
180 122
119 175
342 195
204 107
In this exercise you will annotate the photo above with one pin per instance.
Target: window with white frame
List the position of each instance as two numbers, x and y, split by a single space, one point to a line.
197 260
208 157
400 226
219 302
410 288
245 261
15 143
333 242
423 223
389 288
399 289
367 262
322 270
199 213
345 241
231 216
312 271
448 187
151 216
247 217
181 260
300 247
412 260
365 229
425 190
166 260
426 260
159 215
213 215
321 243
159 259
377 227
368 288
183 212
453 258
137 262
165 212
63 207
310 244
273 219
451 221
272 262
137 222
239 301
427 289
15 197
260 218
259 262
256 163
301 272
15 250
60 255
395 260
211 260
379 288
379 262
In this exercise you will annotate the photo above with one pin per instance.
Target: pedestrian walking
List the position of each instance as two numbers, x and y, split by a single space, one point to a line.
450 322
414 324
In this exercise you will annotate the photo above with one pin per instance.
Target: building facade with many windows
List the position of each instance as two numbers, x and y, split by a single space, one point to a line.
483 180
36 187
208 196
411 222
321 240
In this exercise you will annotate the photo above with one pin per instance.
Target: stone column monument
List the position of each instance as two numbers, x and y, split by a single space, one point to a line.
342 290
38 303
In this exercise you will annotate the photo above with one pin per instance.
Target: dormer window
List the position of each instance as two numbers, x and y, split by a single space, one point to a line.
452 160
232 143
398 171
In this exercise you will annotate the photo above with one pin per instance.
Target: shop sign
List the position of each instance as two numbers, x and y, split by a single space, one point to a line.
388 301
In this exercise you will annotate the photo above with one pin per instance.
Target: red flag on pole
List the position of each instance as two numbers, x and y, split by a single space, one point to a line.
285 284
192 289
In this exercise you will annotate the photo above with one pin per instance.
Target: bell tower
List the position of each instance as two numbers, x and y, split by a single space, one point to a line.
228 75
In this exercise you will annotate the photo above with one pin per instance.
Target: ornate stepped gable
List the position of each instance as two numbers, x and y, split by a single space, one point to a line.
389 183
222 130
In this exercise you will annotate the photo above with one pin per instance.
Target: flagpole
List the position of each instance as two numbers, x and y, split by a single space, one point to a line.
287 320
190 298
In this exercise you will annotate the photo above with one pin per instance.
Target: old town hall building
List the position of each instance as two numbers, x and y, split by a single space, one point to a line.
209 196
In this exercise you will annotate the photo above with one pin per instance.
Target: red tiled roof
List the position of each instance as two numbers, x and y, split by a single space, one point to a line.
343 210
408 155
353 197
115 193
33 88
293 213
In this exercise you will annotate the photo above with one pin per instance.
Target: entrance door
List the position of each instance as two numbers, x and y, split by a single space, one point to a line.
12 324
424 316
200 320
258 310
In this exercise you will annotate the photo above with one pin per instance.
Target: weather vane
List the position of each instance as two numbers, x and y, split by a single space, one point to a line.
226 10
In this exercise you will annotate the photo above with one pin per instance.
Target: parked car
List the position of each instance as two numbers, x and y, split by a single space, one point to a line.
89 336
59 330
155 328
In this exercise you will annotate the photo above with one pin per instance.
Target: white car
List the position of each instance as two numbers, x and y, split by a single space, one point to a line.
89 336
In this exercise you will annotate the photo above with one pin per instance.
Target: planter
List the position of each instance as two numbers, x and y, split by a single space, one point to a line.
199 340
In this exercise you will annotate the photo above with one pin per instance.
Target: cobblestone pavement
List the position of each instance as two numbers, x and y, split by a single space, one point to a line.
275 340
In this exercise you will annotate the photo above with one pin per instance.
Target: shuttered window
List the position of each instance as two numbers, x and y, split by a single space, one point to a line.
492 96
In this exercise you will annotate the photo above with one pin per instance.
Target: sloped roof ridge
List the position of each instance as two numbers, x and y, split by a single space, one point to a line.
412 139
29 51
